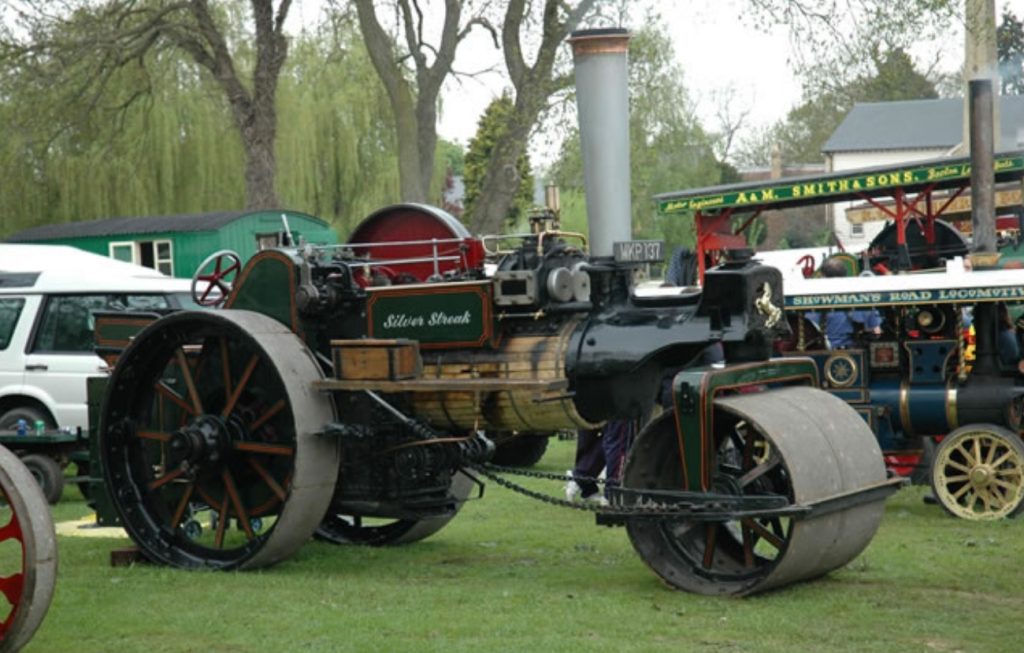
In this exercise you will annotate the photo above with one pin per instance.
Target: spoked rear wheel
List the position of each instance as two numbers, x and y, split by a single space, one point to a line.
210 446
799 443
339 528
28 554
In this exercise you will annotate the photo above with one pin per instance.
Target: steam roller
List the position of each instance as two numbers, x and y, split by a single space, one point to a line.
348 392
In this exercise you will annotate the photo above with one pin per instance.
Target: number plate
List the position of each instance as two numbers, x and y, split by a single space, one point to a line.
639 251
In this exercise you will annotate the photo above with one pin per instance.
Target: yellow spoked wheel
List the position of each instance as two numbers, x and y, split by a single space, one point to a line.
978 472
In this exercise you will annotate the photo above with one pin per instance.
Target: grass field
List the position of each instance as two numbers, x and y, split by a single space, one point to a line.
510 574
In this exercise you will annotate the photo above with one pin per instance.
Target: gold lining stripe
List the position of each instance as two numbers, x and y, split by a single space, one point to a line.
951 416
905 408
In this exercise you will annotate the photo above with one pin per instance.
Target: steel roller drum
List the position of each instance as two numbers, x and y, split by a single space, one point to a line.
828 450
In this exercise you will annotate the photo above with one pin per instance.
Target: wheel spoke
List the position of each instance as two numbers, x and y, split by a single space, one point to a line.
764 533
10 530
962 491
759 471
710 540
957 478
165 391
990 452
179 513
265 417
242 382
272 483
166 478
160 436
222 520
190 383
12 587
1003 458
956 465
261 447
236 501
977 450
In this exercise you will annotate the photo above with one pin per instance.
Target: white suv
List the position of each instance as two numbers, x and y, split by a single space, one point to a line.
48 294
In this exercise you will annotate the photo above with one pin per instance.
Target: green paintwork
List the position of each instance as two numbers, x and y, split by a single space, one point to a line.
190 248
693 394
267 285
833 187
456 316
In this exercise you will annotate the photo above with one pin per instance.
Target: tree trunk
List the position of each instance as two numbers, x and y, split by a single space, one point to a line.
501 180
260 164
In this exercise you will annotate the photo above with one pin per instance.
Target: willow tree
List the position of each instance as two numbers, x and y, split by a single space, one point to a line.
176 151
73 50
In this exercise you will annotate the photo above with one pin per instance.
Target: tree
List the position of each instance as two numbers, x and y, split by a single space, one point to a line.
73 56
492 127
413 70
806 128
1010 47
414 101
533 85
176 150
833 40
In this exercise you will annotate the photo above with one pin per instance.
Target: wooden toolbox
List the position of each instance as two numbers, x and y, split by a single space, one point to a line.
379 360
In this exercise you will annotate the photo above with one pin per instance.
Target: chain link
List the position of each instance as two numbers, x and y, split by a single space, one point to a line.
615 508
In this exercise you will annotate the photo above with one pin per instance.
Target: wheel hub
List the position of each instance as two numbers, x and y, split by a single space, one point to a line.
981 476
206 439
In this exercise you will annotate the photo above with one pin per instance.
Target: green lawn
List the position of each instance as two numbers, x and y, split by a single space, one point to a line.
510 574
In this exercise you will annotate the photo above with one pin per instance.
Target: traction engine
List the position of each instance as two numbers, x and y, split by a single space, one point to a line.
346 392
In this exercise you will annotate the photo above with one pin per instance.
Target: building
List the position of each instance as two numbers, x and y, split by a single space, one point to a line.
887 133
177 244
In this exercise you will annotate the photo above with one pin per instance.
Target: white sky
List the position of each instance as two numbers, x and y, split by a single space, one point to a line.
714 49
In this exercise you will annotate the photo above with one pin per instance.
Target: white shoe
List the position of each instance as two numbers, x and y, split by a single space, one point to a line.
572 488
597 498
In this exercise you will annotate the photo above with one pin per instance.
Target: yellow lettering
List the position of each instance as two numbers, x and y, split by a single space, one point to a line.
856 184
908 177
796 191
768 194
741 198
870 182
809 190
844 185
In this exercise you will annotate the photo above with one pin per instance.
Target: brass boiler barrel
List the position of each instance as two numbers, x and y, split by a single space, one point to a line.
527 362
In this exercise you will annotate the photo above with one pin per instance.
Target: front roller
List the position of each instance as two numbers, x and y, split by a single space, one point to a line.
796 442
209 441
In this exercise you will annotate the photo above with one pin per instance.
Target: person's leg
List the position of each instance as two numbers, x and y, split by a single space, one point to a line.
589 460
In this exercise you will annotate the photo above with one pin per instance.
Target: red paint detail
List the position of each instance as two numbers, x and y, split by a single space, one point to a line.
416 229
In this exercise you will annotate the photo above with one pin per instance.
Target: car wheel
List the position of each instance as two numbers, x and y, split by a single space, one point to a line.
48 474
9 420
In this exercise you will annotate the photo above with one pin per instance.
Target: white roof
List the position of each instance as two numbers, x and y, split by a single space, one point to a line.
63 268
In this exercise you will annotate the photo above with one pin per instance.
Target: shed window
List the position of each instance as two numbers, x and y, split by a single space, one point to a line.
156 254
856 229
123 252
268 241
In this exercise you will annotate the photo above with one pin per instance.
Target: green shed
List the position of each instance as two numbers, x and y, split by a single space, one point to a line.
177 244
